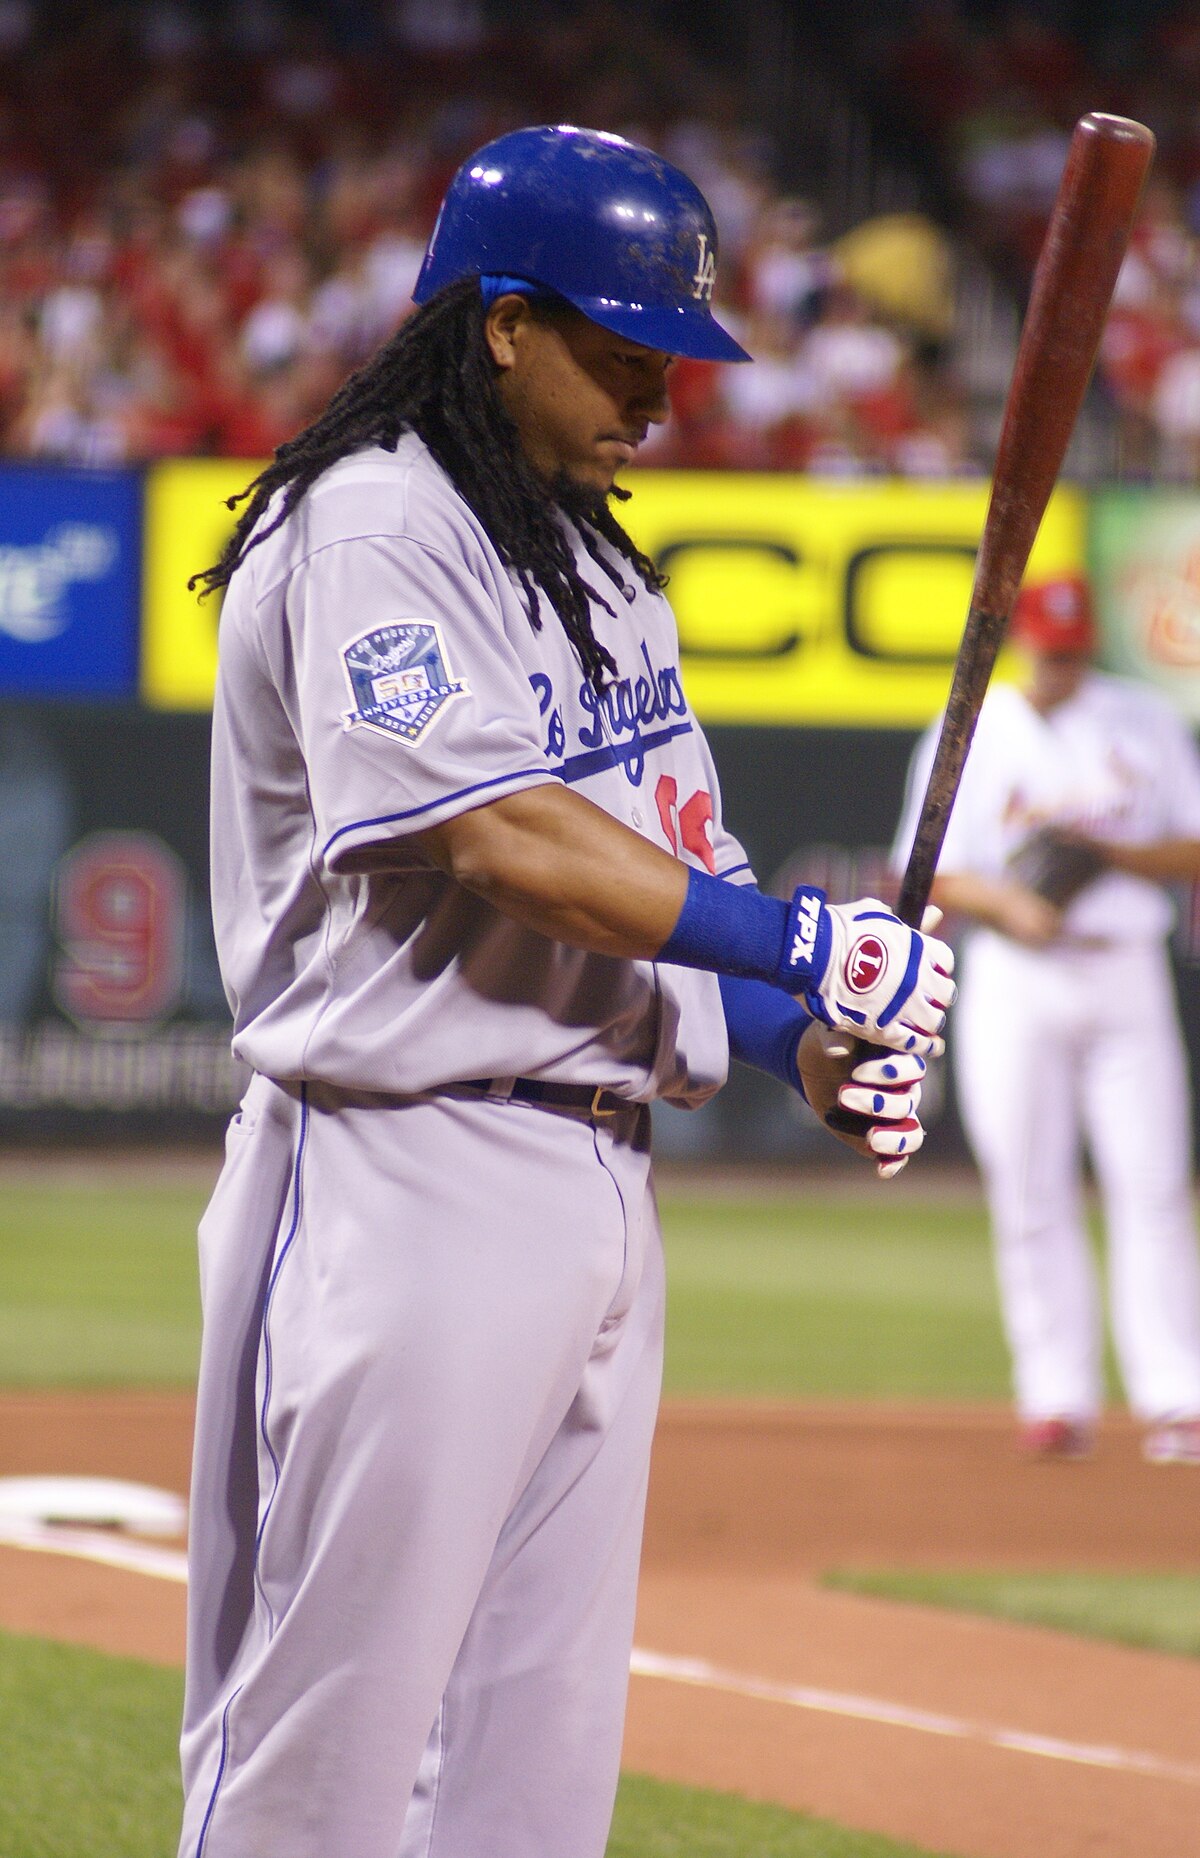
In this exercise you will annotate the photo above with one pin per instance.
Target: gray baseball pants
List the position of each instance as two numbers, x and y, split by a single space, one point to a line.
430 1372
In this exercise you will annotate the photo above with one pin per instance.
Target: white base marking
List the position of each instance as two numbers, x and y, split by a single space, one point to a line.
114 1550
699 1673
103 1501
171 1565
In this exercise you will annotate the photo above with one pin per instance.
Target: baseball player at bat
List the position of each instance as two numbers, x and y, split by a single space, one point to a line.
476 907
1080 800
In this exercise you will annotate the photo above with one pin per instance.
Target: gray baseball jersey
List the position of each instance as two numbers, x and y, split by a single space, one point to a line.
380 674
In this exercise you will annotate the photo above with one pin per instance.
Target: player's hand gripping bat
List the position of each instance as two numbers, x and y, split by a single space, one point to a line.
1076 273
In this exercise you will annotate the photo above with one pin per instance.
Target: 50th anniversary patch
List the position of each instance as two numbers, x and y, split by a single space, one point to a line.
399 679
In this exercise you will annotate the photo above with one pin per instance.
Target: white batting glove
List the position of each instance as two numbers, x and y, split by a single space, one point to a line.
859 967
887 1092
872 1105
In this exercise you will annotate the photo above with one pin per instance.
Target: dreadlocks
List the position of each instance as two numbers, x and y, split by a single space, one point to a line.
435 378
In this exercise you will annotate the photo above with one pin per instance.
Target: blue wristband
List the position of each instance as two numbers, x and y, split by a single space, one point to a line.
735 929
764 1027
728 929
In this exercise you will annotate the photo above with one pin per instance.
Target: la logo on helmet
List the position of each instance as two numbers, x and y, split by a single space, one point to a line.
865 964
706 270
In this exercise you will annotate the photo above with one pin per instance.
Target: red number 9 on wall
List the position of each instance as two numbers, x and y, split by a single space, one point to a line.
120 917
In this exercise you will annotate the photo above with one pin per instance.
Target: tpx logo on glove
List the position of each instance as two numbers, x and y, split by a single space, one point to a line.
865 964
807 917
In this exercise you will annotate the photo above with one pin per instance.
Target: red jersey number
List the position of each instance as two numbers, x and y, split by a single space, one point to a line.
686 825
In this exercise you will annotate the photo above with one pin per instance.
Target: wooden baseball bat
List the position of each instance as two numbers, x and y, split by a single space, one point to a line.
1076 273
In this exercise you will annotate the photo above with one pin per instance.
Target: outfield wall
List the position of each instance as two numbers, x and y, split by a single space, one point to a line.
818 624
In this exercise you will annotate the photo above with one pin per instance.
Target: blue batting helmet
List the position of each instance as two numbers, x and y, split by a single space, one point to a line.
613 228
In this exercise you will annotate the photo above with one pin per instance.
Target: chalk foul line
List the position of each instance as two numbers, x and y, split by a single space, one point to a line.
698 1673
118 1551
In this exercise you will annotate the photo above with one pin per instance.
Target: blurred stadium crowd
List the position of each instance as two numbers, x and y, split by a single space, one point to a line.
208 216
992 94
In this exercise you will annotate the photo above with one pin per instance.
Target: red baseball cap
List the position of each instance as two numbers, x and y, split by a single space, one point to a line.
1055 616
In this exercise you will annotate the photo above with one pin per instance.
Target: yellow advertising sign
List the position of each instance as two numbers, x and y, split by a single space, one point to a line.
809 601
798 600
187 524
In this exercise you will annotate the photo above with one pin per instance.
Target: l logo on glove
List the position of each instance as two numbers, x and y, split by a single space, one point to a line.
865 964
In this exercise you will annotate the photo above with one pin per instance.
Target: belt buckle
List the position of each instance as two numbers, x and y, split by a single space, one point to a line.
597 1109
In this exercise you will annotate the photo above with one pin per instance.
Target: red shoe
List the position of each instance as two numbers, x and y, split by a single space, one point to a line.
1174 1441
1056 1438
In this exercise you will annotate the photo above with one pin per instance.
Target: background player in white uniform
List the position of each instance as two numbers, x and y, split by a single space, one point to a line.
1067 1027
460 806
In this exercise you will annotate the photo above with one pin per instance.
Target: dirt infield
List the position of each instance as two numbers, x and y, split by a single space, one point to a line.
985 1740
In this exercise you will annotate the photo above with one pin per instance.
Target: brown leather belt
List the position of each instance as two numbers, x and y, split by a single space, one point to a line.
592 1100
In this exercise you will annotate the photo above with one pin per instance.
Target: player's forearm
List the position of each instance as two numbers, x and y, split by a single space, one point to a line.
1164 861
999 904
555 863
983 899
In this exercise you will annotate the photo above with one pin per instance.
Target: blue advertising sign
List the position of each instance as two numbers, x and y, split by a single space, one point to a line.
70 574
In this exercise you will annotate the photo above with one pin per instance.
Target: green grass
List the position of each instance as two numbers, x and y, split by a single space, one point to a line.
88 1769
1156 1612
812 1295
797 1295
88 1754
99 1284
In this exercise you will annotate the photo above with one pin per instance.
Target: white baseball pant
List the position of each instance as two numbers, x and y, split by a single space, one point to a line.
1052 1046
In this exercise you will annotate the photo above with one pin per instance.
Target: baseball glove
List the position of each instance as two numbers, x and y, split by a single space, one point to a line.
1056 865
